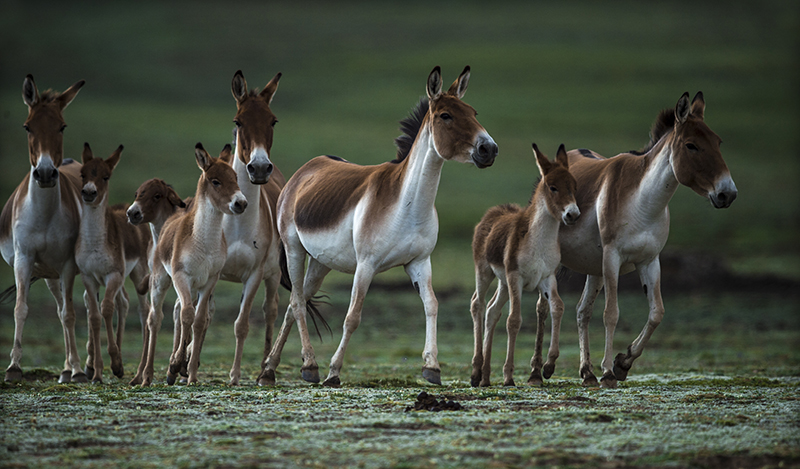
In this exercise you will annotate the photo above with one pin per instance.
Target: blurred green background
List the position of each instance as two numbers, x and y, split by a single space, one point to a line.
588 74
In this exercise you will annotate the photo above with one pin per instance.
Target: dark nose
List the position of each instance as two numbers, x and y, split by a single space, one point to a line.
88 194
45 177
239 206
726 198
259 174
486 153
135 217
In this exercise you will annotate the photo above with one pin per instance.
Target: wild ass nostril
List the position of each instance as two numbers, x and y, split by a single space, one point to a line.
269 169
251 169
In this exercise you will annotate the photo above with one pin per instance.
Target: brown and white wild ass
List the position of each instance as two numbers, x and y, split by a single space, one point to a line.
107 251
253 240
520 247
367 219
39 223
624 201
154 203
191 251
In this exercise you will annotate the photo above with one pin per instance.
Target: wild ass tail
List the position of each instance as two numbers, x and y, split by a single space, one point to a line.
311 304
10 293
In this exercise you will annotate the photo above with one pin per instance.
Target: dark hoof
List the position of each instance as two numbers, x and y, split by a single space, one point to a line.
590 382
432 376
509 382
620 369
310 375
174 369
89 370
66 377
475 380
535 378
333 382
97 380
14 374
136 380
267 378
80 378
170 379
548 370
608 381
119 371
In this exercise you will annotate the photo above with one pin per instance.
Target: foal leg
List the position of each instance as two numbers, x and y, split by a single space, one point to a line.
513 324
200 324
94 363
179 358
242 325
159 282
66 284
114 289
493 312
421 276
549 290
585 306
542 308
137 276
650 275
477 307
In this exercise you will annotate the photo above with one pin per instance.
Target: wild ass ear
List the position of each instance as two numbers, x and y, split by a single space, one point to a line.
239 87
682 109
542 162
114 158
434 88
226 155
202 157
698 105
69 94
269 91
174 199
459 87
30 94
86 156
562 157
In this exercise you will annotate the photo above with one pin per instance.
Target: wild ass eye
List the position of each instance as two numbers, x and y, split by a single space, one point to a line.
237 123
27 129
445 116
275 122
216 182
63 126
691 146
157 197
553 189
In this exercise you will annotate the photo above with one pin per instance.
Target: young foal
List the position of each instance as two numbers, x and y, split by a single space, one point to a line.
368 219
106 252
154 203
625 224
191 251
39 223
520 247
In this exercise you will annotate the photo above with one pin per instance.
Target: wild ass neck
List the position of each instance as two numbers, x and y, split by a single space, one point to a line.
207 227
658 183
421 179
543 227
44 202
94 225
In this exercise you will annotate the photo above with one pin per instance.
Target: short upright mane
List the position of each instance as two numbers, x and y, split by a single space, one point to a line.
410 127
663 124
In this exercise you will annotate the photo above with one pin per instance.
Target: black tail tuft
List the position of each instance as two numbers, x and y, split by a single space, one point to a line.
11 292
312 304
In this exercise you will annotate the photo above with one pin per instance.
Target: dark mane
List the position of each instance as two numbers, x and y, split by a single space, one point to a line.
410 127
48 96
663 124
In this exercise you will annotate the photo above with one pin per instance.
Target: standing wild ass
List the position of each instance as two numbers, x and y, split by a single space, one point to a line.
367 219
624 201
107 251
191 251
39 223
520 247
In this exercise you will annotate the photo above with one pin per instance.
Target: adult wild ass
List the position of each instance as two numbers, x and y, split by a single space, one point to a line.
154 203
39 223
624 201
367 219
520 247
191 251
107 251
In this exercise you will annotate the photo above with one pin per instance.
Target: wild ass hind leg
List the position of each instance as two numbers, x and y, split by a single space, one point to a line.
513 324
94 362
584 313
542 308
64 286
270 309
611 264
200 324
115 295
179 357
241 326
477 308
650 276
138 276
159 282
549 289
421 276
493 313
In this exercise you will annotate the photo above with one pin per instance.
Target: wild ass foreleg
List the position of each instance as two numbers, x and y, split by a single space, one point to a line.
54 285
542 308
650 276
513 324
421 277
477 308
159 282
113 290
493 312
241 326
549 289
22 276
585 307
611 264
180 357
138 276
94 362
64 286
270 309
200 325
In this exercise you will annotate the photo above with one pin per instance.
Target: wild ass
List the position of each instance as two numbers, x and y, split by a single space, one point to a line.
107 251
367 219
624 201
191 251
39 223
520 247
154 203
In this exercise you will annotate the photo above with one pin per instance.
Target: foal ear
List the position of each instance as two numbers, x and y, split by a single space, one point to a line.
202 157
86 156
459 87
542 162
69 94
698 105
434 88
30 94
114 158
562 157
174 199
226 155
269 91
239 87
682 109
